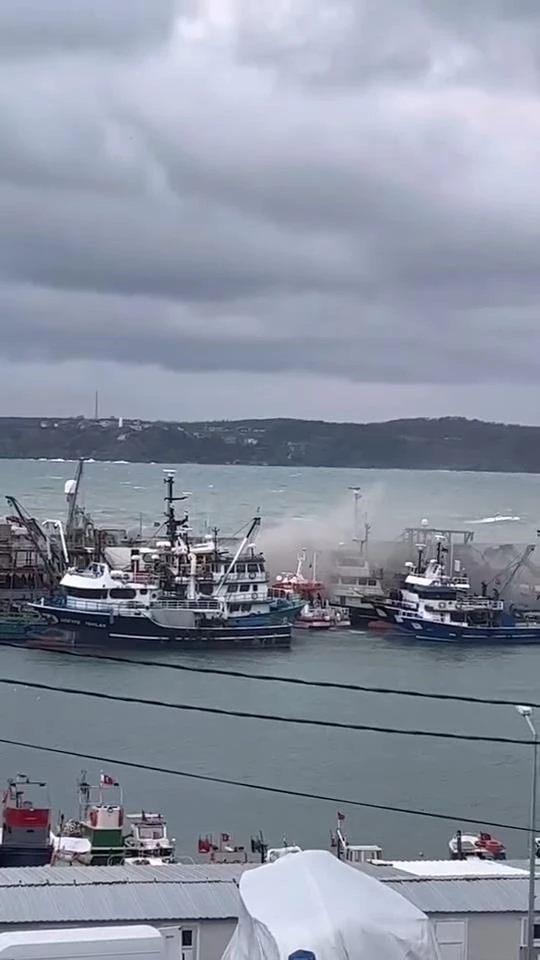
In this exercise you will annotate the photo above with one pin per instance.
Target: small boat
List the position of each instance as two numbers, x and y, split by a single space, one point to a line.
26 824
314 618
147 841
100 823
314 613
475 846
223 850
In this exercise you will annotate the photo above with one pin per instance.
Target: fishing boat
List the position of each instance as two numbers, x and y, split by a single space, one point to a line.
176 590
356 585
315 613
99 825
147 841
441 607
478 846
423 580
26 824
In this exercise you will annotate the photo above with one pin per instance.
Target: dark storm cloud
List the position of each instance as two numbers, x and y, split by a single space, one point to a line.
30 27
348 191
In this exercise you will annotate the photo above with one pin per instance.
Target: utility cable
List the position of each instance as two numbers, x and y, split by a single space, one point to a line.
250 715
276 678
262 788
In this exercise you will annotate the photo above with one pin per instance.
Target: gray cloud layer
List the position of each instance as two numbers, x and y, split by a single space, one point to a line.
348 191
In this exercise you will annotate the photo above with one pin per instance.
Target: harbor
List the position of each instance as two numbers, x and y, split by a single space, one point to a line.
70 581
269 754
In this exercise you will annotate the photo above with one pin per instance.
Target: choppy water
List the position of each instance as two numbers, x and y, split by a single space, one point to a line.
478 780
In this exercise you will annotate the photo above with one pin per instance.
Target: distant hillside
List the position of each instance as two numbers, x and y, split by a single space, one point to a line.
450 443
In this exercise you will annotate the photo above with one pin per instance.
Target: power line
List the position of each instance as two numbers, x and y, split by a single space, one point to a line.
250 715
262 788
298 681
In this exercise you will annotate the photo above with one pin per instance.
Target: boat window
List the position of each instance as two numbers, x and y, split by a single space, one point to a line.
246 607
123 593
255 586
155 832
143 591
240 568
253 567
372 583
244 587
231 588
233 607
86 593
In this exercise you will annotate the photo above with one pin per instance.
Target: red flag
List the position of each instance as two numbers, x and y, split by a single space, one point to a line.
106 780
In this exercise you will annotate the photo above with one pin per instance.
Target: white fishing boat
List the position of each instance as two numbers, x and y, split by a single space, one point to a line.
147 841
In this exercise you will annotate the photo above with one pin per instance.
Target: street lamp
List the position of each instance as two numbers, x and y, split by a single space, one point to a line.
526 713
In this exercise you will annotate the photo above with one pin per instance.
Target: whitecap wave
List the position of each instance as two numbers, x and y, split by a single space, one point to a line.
497 519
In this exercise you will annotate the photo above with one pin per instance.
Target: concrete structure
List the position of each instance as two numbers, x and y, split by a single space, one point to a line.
479 909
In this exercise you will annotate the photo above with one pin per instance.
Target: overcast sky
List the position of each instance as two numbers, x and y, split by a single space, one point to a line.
243 208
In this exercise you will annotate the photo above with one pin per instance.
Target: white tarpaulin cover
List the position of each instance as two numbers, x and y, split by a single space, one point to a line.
313 905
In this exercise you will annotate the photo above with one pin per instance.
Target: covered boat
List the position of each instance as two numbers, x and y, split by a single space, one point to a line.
312 906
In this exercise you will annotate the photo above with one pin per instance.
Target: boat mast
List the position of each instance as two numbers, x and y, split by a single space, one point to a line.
84 796
173 525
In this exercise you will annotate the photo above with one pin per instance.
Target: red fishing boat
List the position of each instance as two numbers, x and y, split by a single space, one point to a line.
316 614
26 824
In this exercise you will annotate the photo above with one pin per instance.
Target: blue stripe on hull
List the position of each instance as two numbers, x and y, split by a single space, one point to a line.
451 633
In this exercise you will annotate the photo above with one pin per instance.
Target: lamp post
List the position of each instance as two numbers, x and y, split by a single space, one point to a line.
526 713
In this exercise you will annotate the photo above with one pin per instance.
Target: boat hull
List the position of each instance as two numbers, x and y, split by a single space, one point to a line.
25 856
454 633
90 628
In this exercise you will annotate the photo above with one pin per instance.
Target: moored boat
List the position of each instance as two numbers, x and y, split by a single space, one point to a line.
179 591
356 585
314 613
441 607
147 841
26 824
99 827
477 846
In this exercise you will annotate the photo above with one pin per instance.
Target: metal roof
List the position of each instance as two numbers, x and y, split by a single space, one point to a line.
51 895
479 895
179 892
174 872
459 868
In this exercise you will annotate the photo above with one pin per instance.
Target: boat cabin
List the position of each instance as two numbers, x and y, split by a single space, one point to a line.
98 586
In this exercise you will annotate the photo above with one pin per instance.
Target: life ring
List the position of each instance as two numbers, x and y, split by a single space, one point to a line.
93 818
459 604
442 606
252 576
